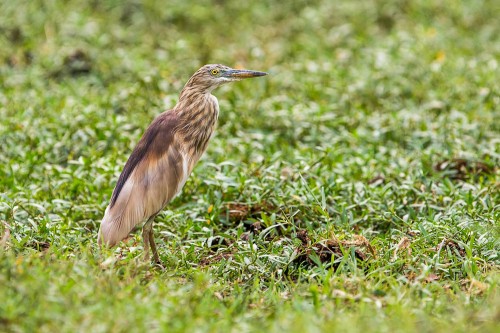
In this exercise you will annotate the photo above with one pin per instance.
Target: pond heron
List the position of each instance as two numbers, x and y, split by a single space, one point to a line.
163 159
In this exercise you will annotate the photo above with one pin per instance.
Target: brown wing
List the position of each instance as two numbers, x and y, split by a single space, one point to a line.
152 176
156 140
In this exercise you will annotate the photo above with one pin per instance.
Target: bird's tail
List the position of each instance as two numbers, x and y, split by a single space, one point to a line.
129 210
112 230
104 236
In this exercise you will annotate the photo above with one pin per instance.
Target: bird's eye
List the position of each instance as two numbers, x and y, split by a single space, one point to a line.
215 71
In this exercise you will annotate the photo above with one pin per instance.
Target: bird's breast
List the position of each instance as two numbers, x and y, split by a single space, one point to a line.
197 126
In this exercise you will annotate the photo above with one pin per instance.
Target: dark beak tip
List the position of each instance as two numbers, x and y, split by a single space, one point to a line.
257 73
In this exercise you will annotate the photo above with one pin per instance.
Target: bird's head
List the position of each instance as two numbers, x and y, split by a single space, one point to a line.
210 77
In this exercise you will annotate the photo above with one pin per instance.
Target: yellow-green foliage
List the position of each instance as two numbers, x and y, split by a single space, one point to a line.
379 119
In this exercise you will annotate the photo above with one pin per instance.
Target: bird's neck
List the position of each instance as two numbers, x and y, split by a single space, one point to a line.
194 103
198 112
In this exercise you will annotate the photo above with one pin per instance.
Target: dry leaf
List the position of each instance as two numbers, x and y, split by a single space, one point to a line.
404 243
431 277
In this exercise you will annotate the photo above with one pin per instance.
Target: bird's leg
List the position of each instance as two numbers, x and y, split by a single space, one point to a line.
145 237
156 258
149 240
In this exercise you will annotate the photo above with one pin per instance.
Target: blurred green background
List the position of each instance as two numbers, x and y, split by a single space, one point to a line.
378 118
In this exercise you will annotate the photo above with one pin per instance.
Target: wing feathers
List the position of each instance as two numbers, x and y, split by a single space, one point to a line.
148 181
155 141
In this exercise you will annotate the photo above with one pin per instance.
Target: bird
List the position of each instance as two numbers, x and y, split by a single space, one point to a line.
165 156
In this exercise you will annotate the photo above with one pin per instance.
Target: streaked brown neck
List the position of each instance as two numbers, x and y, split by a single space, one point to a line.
198 111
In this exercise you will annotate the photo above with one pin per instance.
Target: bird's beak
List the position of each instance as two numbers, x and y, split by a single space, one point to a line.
242 74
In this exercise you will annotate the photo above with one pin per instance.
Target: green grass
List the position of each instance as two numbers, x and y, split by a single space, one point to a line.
380 119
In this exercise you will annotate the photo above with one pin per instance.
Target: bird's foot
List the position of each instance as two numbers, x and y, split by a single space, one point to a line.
156 259
159 266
